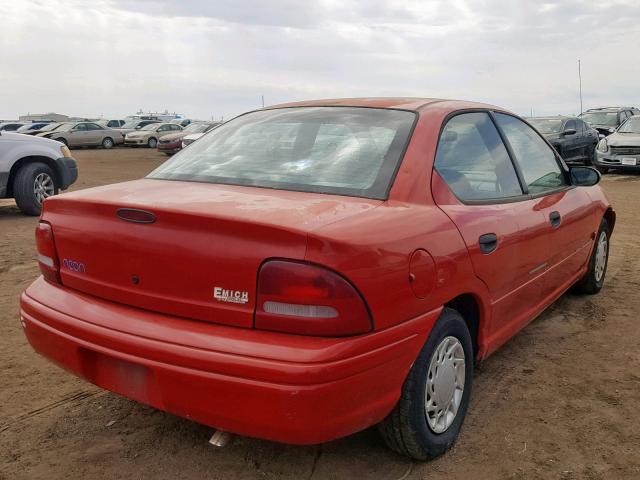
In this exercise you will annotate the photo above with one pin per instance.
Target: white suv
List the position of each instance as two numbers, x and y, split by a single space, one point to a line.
32 169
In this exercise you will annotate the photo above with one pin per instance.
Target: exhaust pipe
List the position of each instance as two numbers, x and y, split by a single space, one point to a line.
220 438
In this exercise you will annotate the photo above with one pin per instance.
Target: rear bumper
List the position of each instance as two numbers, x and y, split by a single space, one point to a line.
288 388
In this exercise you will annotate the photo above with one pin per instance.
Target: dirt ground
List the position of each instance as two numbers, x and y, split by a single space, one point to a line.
559 401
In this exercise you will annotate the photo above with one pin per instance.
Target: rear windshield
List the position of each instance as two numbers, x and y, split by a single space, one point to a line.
351 151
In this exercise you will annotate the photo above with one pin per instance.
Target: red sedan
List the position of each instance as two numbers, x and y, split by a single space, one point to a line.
172 142
309 270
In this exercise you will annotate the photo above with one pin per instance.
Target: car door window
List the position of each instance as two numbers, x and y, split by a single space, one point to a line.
535 157
93 126
81 127
582 126
473 161
570 125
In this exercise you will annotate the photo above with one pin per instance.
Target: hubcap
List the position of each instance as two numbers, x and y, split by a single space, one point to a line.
43 187
445 384
601 256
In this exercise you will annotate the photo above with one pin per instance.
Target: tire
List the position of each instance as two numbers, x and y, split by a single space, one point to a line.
27 194
62 140
152 143
593 280
107 143
407 429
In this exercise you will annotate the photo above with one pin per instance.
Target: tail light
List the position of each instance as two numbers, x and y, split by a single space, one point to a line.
308 300
47 256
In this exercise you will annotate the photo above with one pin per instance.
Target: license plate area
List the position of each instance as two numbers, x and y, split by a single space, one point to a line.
628 161
128 379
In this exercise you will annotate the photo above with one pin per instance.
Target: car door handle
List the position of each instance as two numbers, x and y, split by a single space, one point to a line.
488 242
555 219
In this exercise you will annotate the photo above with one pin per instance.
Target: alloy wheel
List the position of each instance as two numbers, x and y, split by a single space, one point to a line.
43 187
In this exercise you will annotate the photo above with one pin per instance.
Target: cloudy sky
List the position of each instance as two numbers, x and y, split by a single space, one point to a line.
213 58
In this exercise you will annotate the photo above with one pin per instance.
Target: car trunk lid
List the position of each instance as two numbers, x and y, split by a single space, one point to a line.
200 256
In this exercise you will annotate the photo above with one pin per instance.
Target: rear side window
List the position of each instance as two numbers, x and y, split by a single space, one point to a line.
473 161
351 151
536 159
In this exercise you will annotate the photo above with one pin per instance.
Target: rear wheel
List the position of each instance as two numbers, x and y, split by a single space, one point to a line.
107 143
427 419
34 183
152 143
593 280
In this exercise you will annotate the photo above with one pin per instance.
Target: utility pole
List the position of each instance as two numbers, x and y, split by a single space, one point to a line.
580 80
262 101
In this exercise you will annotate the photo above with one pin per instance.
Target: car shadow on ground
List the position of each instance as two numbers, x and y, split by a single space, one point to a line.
8 209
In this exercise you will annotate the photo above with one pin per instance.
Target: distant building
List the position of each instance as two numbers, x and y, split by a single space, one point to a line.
39 117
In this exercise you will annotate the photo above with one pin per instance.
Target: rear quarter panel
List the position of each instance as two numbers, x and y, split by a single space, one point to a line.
373 251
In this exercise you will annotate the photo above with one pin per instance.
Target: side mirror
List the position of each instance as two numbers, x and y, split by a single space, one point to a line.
569 131
584 176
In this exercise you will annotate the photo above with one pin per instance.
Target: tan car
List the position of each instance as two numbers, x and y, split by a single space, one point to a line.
148 136
85 134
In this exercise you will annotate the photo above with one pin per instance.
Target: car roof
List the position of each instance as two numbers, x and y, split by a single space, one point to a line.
553 117
403 103
606 109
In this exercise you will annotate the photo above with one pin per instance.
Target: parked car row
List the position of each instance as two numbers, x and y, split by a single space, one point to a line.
607 137
174 142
